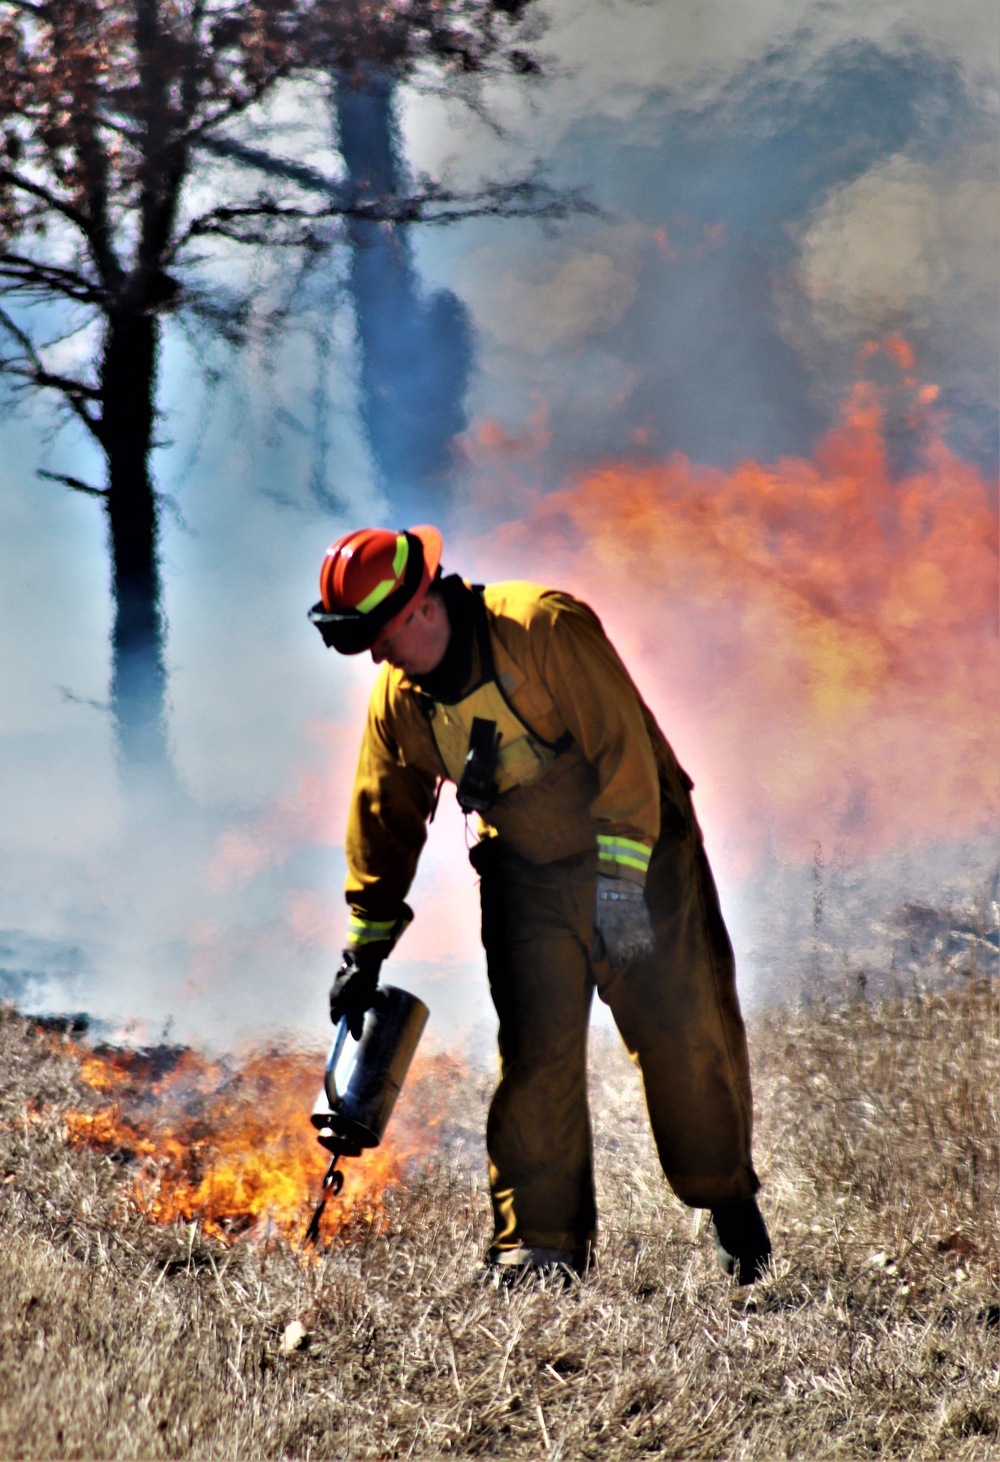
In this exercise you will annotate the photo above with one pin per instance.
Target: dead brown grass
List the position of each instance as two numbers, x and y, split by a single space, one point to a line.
879 1143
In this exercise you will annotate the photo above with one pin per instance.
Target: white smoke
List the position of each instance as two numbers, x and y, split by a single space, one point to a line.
132 923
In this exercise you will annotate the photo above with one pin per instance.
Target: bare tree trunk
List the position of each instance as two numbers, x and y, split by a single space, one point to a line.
138 671
416 349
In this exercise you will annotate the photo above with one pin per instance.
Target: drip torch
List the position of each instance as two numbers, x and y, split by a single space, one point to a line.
361 1082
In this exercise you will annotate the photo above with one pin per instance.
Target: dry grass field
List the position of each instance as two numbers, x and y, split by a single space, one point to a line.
878 1142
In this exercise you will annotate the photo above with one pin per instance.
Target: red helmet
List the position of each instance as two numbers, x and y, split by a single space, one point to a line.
370 580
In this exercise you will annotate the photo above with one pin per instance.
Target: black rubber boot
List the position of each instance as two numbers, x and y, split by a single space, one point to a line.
742 1245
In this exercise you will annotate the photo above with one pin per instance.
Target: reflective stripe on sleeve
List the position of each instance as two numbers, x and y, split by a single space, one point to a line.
626 851
372 931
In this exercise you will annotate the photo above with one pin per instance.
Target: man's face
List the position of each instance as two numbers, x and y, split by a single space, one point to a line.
417 647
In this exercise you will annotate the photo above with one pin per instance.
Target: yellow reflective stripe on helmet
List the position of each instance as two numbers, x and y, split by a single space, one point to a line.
369 931
626 851
383 589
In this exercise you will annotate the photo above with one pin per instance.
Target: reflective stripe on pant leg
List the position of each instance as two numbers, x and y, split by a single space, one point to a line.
679 1015
538 1131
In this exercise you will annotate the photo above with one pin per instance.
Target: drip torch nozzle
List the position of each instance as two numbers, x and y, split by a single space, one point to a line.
332 1184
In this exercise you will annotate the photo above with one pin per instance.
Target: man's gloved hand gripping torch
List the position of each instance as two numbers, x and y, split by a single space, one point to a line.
355 984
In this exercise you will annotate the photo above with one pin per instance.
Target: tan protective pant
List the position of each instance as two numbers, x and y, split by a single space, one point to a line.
678 1014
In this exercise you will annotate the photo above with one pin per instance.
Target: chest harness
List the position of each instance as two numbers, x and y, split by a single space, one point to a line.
486 747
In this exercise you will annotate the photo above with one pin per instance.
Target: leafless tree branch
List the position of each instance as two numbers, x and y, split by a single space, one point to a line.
25 275
281 167
268 221
44 195
75 393
73 482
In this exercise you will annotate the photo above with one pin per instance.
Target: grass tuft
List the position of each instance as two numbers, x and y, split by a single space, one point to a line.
879 1144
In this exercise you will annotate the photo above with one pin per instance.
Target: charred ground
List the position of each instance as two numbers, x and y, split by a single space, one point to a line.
879 1144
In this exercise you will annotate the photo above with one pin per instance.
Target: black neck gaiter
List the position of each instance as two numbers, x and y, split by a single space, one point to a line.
448 681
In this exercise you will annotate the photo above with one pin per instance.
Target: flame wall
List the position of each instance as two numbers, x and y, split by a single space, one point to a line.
818 637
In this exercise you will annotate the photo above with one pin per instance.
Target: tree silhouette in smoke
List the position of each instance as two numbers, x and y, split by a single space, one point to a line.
120 124
416 352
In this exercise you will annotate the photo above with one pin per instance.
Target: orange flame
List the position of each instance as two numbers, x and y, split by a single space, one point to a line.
818 638
231 1145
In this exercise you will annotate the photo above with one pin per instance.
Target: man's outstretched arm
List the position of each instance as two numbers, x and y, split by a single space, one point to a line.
386 831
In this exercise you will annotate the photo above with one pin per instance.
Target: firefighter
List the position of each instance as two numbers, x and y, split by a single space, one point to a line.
592 876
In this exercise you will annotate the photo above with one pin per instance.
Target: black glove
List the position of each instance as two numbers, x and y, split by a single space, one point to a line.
354 986
623 930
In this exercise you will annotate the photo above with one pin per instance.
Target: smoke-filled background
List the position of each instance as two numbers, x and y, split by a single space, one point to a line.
746 407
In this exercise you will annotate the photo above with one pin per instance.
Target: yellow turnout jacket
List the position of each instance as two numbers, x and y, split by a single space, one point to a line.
582 762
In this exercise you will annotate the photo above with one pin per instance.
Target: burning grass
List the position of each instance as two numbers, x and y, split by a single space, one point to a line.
224 1143
879 1143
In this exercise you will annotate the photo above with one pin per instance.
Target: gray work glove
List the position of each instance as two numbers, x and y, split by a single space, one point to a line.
623 930
355 984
